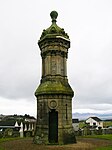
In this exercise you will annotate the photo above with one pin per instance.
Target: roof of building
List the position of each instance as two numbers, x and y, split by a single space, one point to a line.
2 127
75 120
96 119
7 123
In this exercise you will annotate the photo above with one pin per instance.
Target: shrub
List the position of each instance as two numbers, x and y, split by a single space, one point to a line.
69 137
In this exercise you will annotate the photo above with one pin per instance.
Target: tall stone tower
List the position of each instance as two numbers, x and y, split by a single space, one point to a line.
54 94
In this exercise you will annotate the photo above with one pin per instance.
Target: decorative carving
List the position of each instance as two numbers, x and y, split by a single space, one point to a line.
54 28
53 66
52 104
54 16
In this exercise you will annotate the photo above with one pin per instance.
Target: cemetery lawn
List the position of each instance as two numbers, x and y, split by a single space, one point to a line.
97 142
8 139
104 136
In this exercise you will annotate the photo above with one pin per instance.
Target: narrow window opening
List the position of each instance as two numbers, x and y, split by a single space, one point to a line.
40 111
66 112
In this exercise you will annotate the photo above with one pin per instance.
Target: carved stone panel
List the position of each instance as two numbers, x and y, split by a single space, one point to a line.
52 104
53 65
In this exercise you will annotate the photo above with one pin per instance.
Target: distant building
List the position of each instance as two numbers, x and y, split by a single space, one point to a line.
95 122
75 124
9 124
17 124
1 117
18 129
31 119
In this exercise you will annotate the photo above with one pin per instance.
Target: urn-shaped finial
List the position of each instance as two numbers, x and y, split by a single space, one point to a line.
54 15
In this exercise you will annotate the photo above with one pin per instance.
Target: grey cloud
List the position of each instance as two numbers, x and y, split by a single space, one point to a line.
89 58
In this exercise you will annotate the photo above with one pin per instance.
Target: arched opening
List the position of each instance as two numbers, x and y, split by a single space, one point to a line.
53 126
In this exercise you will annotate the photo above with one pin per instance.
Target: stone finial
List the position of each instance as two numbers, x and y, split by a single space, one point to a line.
54 15
54 29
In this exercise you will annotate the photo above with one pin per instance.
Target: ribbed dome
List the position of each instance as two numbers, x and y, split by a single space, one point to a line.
54 30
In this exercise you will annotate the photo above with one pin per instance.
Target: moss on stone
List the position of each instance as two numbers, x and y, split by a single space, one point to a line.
54 87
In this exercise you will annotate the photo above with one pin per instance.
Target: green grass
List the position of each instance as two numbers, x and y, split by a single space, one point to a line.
8 139
106 136
81 124
107 123
105 148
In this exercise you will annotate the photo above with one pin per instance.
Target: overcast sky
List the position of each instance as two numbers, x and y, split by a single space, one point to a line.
89 25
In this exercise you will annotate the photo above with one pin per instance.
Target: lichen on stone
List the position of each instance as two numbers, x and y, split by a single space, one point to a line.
54 87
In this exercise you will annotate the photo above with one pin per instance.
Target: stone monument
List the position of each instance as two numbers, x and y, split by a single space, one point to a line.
54 94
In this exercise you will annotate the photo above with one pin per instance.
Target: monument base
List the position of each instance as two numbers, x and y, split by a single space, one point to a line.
65 136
